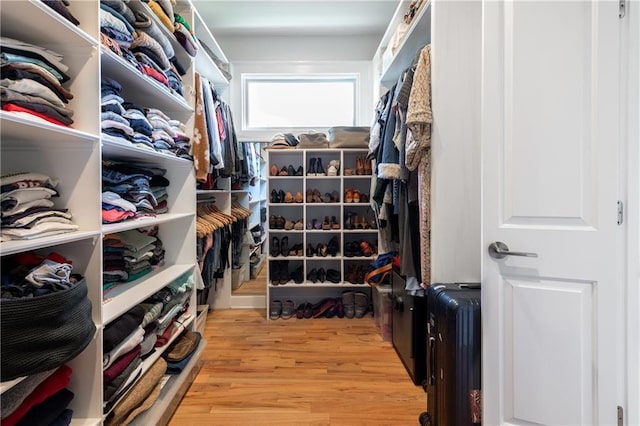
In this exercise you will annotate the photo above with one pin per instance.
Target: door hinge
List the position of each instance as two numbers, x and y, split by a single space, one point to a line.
620 416
622 8
620 212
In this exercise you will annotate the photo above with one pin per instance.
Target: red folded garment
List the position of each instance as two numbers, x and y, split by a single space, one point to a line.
52 384
16 108
120 364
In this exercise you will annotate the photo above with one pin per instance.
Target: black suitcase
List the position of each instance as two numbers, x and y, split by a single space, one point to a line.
409 328
454 349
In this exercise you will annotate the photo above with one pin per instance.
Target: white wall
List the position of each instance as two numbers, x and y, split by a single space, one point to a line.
299 48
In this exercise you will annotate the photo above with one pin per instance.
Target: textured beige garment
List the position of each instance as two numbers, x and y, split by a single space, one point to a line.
418 152
200 141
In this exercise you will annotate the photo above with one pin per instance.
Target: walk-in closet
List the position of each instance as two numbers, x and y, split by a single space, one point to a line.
301 212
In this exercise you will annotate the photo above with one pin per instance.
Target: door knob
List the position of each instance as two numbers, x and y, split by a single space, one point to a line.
499 250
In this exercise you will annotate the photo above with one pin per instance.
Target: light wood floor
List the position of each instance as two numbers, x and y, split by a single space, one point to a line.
298 372
255 286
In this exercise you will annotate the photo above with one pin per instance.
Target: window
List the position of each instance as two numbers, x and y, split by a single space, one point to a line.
284 101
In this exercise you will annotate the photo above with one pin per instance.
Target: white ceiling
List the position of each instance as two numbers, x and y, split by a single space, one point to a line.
296 17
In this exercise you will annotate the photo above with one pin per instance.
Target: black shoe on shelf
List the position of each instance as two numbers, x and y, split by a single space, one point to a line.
284 246
311 170
298 275
313 275
291 170
319 169
299 172
322 275
275 247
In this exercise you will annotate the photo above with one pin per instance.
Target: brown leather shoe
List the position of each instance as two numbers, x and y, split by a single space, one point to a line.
321 308
273 171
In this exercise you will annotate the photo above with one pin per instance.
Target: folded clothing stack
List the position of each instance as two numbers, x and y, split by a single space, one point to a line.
131 191
41 398
133 337
31 83
134 36
130 255
27 209
146 128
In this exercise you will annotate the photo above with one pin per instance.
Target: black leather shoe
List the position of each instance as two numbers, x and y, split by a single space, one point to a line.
313 275
333 276
298 275
311 170
291 170
284 272
319 169
281 196
284 246
275 247
308 310
322 275
321 308
274 196
310 250
333 246
299 172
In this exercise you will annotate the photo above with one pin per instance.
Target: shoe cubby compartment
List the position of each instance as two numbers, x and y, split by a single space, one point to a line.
323 271
356 164
286 272
323 190
284 217
282 161
286 245
358 245
323 245
323 218
356 191
359 218
286 191
318 162
355 270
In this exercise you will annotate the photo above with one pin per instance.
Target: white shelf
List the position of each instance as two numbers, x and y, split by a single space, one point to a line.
418 35
18 131
143 221
140 89
289 204
358 177
16 246
288 177
86 422
287 257
121 297
170 390
324 231
356 204
360 231
114 147
288 231
41 25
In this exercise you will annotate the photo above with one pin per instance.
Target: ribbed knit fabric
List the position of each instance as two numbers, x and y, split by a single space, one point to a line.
42 333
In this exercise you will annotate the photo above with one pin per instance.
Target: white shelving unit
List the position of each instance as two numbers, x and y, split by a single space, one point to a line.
310 211
453 29
75 155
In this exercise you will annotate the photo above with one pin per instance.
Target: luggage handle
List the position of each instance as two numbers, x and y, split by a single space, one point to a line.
432 349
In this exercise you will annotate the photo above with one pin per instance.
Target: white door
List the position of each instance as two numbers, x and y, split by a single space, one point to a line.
550 137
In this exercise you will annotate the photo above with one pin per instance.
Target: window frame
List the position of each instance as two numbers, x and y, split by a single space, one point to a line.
247 78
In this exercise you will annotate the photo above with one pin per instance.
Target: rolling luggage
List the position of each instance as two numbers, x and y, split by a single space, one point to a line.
453 356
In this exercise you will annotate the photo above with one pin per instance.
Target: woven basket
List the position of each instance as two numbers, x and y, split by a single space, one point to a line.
43 333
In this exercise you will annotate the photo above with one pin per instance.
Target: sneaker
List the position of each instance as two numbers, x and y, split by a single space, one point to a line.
275 309
332 171
288 309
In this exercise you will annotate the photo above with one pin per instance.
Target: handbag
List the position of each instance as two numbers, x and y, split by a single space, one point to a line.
349 137
380 268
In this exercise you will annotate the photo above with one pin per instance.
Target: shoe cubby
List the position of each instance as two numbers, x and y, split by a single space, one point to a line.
323 223
319 301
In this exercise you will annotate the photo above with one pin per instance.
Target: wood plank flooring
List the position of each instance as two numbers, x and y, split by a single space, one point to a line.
298 372
255 286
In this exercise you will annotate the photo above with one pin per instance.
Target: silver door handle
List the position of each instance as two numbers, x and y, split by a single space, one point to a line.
499 250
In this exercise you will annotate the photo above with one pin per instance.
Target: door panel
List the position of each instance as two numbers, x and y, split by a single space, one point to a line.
548 113
556 315
550 141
